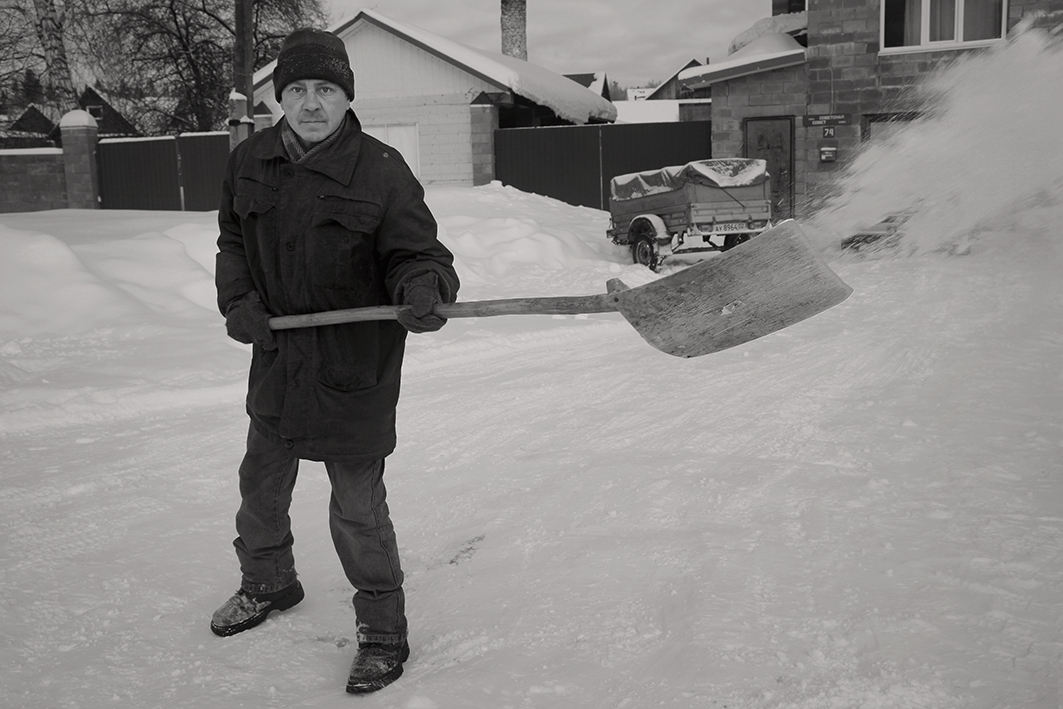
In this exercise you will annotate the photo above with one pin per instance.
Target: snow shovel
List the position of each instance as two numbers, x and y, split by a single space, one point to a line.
765 284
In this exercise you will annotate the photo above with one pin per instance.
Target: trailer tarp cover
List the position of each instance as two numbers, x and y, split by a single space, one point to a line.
723 172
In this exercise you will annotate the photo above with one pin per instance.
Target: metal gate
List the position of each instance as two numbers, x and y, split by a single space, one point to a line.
203 157
139 173
173 173
575 163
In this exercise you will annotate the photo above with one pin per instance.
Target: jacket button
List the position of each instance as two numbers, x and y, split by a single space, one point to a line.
290 246
289 444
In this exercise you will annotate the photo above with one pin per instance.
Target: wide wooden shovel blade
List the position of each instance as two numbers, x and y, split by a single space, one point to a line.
763 285
752 290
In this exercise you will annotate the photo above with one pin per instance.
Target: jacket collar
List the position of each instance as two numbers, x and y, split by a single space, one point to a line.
336 163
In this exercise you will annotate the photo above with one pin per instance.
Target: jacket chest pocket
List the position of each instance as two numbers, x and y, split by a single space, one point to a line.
253 200
340 243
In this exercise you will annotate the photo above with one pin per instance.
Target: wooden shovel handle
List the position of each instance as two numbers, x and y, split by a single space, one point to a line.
557 305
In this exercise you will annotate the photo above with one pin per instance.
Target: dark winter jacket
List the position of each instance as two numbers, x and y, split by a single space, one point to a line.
343 229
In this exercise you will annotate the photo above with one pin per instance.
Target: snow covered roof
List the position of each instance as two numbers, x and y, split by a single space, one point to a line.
667 83
766 52
568 99
792 23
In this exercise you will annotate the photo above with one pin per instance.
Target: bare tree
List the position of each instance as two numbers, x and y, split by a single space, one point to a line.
16 45
49 26
173 63
32 38
515 28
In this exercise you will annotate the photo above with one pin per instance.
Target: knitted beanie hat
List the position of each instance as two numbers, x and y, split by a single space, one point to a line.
313 54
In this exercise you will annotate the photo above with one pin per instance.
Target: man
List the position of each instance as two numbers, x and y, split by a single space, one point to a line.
315 215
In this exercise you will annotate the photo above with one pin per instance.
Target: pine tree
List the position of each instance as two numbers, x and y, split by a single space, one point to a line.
32 88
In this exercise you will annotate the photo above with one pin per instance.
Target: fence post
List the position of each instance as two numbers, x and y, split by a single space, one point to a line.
240 126
79 133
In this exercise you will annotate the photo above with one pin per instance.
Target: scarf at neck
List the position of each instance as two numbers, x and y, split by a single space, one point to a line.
294 146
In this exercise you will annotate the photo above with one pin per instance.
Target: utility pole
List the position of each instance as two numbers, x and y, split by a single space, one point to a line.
242 99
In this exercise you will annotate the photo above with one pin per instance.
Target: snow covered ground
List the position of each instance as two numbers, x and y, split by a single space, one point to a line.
863 510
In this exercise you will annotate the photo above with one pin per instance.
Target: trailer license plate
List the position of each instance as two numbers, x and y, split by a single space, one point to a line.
732 226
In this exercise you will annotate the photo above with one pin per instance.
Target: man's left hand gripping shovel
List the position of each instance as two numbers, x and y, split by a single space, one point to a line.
765 284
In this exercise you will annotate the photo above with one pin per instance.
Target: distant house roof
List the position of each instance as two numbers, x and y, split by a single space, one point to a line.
595 81
563 96
765 53
669 88
111 123
33 121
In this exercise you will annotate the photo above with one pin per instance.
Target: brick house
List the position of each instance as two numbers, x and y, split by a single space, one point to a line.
693 104
805 87
438 102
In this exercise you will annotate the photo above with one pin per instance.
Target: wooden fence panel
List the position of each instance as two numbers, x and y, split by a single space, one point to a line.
139 173
203 160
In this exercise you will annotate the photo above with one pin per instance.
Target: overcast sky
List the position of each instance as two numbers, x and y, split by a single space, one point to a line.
633 41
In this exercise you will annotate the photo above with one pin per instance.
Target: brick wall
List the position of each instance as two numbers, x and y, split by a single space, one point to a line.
782 92
848 75
32 180
484 125
80 170
1017 9
844 73
35 179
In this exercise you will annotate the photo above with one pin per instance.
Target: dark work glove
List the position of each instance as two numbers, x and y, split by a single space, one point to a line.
421 293
247 321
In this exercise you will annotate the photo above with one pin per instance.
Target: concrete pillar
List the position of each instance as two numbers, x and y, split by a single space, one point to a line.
79 132
484 121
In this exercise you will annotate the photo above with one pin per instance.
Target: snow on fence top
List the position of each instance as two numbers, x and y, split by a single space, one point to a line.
721 172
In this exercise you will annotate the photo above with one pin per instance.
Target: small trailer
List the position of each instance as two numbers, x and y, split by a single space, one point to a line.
700 207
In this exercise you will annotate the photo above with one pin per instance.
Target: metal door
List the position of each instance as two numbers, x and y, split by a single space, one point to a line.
772 139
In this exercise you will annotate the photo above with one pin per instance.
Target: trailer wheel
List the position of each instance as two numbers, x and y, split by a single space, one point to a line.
732 240
643 235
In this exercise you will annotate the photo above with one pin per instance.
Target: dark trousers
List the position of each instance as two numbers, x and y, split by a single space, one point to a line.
361 532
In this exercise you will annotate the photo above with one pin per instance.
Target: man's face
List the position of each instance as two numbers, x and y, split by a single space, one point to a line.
314 108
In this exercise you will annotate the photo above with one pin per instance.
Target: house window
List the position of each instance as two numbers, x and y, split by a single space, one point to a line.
941 24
